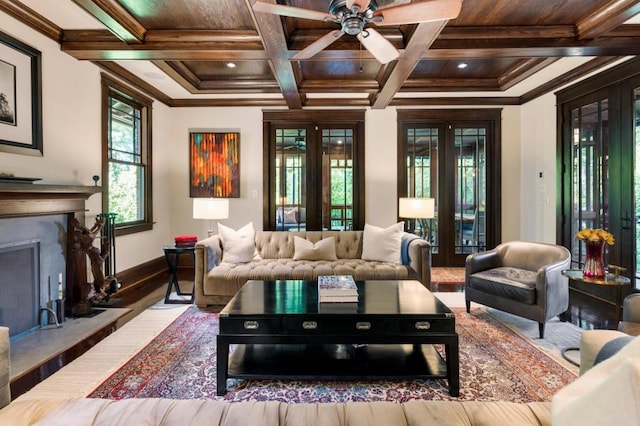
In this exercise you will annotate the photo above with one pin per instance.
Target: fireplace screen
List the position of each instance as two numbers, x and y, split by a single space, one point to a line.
19 286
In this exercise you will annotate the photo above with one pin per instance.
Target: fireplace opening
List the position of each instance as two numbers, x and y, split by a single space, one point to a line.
20 287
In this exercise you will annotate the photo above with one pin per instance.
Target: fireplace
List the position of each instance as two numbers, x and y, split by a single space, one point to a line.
36 249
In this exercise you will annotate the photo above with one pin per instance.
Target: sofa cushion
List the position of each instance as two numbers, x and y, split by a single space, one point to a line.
324 249
506 282
238 246
382 244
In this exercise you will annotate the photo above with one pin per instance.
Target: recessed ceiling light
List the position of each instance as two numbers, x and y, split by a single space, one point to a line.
462 65
231 65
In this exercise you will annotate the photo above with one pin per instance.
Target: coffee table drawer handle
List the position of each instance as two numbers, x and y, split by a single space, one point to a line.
423 325
251 325
309 325
363 325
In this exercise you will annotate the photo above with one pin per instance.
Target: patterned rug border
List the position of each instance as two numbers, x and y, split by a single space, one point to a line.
496 363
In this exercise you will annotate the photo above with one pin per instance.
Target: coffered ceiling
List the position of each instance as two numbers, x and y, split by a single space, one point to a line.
180 51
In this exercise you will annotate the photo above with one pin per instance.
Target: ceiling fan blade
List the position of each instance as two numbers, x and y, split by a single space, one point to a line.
379 46
363 4
424 11
319 45
294 12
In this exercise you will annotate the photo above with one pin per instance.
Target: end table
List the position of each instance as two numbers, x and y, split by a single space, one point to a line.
172 254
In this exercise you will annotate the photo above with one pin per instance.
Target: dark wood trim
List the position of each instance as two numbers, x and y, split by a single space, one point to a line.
523 70
116 18
462 101
133 277
325 116
607 18
32 19
254 102
41 199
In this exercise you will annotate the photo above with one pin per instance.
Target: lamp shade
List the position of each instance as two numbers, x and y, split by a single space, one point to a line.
416 208
210 208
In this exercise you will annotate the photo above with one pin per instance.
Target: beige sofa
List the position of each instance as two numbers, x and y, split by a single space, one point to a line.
216 283
566 409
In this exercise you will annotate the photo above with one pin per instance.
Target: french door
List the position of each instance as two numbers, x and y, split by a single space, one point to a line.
452 156
599 147
314 162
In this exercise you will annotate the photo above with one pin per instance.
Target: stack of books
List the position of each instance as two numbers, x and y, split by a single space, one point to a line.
337 288
186 240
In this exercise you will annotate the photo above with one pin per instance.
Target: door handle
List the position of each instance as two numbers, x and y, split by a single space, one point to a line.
625 221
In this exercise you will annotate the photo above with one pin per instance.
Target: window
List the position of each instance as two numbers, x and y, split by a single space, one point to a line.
126 157
314 166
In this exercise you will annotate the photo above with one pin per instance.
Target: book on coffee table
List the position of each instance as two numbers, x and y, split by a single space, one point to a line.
337 287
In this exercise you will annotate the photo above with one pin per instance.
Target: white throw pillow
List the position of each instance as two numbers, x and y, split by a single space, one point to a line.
607 394
324 249
238 246
382 244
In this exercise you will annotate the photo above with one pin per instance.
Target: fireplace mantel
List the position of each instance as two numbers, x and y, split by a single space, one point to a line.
25 199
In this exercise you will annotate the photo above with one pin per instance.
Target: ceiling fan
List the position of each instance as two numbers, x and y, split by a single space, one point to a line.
353 15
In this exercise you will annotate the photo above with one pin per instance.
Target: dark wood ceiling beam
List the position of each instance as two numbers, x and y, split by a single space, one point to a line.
238 102
32 19
336 102
611 15
449 84
116 18
456 101
275 43
422 38
509 32
337 86
523 70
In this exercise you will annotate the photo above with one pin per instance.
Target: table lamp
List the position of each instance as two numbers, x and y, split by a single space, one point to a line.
210 208
419 209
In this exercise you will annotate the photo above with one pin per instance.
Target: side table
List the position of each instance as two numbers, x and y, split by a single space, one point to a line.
616 280
613 280
172 254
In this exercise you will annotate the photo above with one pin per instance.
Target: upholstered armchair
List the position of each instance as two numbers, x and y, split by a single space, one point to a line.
520 277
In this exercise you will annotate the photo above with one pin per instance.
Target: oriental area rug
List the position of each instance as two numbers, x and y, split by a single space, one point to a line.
496 363
445 275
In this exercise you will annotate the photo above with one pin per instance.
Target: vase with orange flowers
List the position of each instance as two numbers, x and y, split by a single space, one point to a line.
594 241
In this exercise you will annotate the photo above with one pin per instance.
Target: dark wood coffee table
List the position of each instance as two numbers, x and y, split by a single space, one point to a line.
281 331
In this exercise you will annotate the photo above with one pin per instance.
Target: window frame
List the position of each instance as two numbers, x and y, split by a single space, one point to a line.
112 87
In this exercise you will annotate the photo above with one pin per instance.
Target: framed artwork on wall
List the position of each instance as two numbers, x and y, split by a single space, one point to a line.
20 97
214 163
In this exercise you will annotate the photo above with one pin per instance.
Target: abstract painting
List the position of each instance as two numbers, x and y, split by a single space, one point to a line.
214 162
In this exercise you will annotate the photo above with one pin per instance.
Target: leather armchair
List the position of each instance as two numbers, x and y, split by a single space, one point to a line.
520 277
630 323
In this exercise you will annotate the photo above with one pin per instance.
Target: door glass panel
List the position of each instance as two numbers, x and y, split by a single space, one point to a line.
590 124
337 179
470 189
290 181
422 179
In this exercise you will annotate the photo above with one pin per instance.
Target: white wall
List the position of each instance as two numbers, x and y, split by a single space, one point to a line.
72 155
538 156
